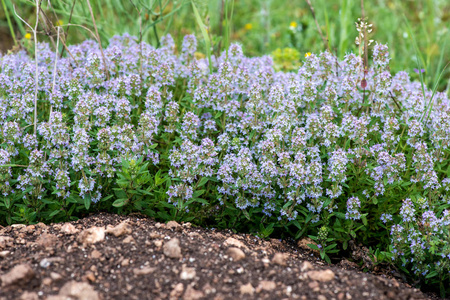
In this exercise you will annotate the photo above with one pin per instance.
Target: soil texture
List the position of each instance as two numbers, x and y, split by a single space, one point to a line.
106 256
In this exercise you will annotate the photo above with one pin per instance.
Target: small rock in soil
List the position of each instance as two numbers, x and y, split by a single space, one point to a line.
314 285
6 241
266 286
29 296
279 259
158 244
187 273
247 289
68 228
92 235
129 239
96 254
173 225
19 275
322 276
306 266
144 270
76 290
235 253
177 291
119 230
172 248
55 276
46 240
234 243
192 294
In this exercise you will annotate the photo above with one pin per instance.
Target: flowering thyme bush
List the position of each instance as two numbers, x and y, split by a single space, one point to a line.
307 152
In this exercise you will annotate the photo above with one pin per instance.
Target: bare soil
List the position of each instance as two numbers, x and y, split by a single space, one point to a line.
107 256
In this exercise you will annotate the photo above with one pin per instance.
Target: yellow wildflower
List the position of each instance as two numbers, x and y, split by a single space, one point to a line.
27 36
59 23
307 54
199 55
248 26
293 24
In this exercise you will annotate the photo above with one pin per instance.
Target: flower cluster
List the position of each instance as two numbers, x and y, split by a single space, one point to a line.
302 149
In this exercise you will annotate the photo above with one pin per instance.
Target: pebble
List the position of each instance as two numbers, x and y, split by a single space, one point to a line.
266 285
96 254
306 266
314 285
6 241
192 294
90 276
129 239
47 281
234 243
173 225
144 270
92 235
68 228
322 276
172 248
177 291
47 240
29 296
247 289
187 273
279 259
55 276
119 230
76 290
18 275
125 262
235 253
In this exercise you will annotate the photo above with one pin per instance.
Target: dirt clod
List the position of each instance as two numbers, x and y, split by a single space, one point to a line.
18 275
172 248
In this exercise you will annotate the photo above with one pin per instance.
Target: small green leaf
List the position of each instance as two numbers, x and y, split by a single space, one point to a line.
329 247
364 219
120 202
246 214
295 222
218 115
312 246
87 201
145 192
203 181
198 193
200 200
340 215
163 215
125 163
431 274
107 198
54 213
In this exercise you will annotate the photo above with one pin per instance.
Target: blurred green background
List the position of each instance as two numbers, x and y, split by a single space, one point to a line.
261 27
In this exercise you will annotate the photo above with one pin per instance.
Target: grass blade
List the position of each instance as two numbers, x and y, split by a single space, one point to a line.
204 33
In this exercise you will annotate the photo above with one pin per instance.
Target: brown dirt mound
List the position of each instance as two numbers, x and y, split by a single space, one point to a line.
108 256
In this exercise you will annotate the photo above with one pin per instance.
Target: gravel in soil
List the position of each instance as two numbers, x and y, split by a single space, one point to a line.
107 256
